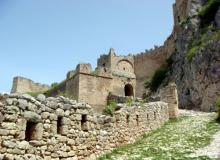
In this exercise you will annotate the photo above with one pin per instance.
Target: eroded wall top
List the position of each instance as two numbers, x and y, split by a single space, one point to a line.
24 85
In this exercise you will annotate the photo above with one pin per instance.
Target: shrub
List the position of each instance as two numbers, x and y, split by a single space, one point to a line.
206 35
54 85
184 22
191 52
217 104
208 11
129 101
110 108
34 94
156 80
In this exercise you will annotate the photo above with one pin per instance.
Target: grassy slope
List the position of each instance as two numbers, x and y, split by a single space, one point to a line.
175 140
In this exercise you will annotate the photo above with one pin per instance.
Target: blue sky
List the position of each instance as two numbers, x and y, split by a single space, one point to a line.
43 39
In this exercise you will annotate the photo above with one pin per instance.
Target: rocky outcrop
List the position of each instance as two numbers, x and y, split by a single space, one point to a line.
198 77
217 18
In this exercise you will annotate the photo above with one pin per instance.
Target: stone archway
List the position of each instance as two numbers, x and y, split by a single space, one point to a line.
129 90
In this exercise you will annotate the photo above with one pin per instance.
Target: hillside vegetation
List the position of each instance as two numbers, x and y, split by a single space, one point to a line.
177 140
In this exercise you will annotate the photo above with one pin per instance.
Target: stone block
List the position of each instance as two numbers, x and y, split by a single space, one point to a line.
4 132
59 112
9 125
23 145
8 144
21 123
32 116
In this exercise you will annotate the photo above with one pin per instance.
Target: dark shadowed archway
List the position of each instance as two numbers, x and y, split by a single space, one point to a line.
129 90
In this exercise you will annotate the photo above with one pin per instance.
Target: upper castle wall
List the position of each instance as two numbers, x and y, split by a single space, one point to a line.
145 64
119 65
24 85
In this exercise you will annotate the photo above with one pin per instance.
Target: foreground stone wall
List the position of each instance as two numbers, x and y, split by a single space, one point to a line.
60 128
24 85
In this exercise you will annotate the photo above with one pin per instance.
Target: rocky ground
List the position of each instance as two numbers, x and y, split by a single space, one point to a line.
195 135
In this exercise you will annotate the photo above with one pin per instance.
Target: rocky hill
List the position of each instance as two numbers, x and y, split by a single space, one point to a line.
195 64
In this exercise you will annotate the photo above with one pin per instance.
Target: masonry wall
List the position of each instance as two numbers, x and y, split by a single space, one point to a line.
119 84
169 95
66 130
94 90
24 85
72 87
145 64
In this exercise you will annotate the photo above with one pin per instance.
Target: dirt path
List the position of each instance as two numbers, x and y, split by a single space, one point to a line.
212 150
185 138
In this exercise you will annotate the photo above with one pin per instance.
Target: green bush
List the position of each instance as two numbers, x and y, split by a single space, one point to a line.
206 35
208 11
110 108
217 104
54 85
129 101
156 80
209 7
34 94
184 22
192 51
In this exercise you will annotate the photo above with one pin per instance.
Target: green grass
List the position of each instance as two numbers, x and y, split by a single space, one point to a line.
206 35
34 94
217 104
176 140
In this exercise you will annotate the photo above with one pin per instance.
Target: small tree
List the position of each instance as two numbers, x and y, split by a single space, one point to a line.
218 108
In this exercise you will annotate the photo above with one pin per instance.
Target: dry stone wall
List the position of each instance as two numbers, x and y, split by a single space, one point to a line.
59 128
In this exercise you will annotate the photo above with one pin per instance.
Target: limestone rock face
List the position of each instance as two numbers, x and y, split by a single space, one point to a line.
217 18
198 79
198 83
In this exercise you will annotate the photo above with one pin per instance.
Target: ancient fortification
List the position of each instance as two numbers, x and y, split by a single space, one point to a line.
24 85
60 128
117 75
198 85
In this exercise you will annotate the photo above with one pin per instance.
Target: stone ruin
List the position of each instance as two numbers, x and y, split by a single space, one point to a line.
60 128
115 74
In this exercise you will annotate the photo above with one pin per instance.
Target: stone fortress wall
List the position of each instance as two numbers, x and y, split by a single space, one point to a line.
114 72
146 63
60 128
24 85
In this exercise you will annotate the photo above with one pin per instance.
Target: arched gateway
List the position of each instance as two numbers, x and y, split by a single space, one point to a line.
129 90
